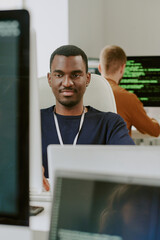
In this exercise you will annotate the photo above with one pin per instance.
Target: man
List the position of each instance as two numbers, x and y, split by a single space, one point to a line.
112 66
69 121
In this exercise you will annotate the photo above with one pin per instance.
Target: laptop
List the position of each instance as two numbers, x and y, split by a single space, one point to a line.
104 192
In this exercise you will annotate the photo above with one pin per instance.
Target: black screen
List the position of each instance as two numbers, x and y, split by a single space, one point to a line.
142 77
14 117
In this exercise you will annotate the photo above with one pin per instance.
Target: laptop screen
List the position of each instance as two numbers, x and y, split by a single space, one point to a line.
110 210
14 117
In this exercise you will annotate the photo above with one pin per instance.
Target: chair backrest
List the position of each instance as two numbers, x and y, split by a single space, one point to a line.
98 94
46 96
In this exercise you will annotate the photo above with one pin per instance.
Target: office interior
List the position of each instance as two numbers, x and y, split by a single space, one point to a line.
114 21
89 24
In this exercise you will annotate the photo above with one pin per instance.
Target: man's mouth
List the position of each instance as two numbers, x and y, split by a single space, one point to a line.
67 92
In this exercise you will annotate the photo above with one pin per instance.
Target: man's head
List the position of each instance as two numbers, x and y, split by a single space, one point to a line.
68 77
112 62
70 50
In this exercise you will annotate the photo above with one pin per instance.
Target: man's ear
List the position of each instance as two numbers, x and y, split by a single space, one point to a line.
88 79
99 68
123 68
49 79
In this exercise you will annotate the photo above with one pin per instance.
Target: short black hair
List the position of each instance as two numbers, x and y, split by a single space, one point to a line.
70 50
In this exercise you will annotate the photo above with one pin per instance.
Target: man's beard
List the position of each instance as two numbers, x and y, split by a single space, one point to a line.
69 103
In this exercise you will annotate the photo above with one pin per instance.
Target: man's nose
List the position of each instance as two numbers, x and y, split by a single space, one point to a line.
67 81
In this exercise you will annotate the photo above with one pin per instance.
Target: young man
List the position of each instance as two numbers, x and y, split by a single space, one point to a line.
69 121
112 66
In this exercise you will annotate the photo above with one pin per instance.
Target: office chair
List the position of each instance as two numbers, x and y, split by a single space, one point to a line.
98 94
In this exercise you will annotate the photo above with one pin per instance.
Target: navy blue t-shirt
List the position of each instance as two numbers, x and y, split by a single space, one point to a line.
98 128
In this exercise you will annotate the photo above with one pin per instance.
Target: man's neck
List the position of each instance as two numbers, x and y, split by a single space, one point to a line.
69 111
115 78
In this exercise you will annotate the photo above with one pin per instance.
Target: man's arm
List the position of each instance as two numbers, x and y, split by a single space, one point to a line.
45 181
118 133
141 120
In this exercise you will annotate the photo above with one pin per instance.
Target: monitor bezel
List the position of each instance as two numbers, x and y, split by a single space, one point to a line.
22 216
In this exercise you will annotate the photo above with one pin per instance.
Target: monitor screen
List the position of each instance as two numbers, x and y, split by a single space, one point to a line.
142 77
14 117
99 210
93 65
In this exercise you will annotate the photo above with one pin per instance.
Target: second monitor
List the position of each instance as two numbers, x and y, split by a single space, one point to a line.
141 76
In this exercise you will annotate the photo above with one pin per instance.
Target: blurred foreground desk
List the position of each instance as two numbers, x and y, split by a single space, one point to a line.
40 223
144 139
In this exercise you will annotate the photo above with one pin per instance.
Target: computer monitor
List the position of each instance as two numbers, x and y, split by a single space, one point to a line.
14 123
105 192
93 65
142 77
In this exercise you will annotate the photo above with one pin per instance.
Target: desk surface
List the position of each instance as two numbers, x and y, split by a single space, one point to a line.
41 222
137 135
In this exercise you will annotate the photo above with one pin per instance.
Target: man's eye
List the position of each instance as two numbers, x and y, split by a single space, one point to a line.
77 75
58 75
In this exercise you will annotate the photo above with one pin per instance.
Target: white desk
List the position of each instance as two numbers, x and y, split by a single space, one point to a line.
40 223
144 139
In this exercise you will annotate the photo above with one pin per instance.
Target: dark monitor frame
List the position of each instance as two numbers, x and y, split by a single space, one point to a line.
22 215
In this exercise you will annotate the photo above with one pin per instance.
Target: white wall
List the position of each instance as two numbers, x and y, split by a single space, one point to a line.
10 4
86 25
91 24
133 25
50 20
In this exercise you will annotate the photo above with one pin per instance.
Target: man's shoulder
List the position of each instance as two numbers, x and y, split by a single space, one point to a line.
120 91
109 119
93 111
123 93
46 111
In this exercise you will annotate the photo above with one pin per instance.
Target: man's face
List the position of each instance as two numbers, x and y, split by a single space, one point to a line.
68 79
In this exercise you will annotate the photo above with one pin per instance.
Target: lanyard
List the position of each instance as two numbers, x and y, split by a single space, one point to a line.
58 130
